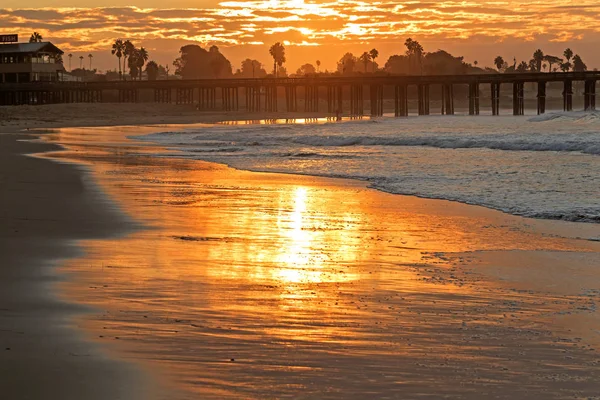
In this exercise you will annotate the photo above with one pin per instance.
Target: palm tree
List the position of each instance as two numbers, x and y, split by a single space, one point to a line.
277 51
318 65
35 38
499 62
365 58
90 56
414 50
128 50
538 56
70 57
81 62
141 57
568 53
374 54
117 49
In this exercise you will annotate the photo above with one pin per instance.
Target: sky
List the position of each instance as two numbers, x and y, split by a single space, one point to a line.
311 30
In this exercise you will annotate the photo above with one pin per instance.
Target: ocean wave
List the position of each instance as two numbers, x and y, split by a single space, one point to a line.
562 144
569 116
545 167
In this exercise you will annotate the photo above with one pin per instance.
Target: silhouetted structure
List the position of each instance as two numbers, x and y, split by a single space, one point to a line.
29 62
263 94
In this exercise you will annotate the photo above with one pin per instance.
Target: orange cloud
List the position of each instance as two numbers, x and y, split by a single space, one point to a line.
311 23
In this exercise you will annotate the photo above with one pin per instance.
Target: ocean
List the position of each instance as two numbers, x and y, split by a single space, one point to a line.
541 167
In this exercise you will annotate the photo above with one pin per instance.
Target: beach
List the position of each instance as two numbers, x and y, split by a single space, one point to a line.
172 277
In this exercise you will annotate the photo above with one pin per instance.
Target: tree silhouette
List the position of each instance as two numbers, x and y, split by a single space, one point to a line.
128 50
195 62
277 51
499 62
306 69
414 51
70 57
152 70
374 53
365 58
318 65
568 53
347 63
551 60
90 56
566 66
118 48
578 64
141 56
252 69
35 38
80 62
538 57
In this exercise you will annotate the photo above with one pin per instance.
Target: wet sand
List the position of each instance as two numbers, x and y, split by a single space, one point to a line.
250 285
44 209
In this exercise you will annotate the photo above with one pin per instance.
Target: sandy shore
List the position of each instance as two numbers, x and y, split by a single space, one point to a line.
248 285
113 114
46 207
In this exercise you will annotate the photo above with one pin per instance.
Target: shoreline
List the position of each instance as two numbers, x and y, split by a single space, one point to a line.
291 177
170 232
44 354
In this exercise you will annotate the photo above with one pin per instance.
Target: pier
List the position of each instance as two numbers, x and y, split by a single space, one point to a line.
335 95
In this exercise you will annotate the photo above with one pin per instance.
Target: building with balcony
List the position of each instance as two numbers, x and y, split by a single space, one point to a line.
30 62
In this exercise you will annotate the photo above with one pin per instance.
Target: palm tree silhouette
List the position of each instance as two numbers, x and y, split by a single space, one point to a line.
70 57
414 51
128 50
141 57
499 62
318 65
365 58
81 62
374 54
277 51
117 49
568 53
90 56
35 38
538 57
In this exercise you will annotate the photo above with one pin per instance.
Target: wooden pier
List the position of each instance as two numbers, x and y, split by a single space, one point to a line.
330 93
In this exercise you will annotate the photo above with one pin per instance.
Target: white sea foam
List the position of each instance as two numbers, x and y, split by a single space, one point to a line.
543 167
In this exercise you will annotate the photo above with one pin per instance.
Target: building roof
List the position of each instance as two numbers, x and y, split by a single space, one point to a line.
29 48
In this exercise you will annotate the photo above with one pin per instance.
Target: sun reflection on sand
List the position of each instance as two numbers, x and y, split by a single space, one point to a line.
307 283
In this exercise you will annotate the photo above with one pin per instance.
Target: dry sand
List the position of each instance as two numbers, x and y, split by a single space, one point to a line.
252 285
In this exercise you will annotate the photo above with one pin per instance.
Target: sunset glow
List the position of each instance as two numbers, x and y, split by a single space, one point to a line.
253 25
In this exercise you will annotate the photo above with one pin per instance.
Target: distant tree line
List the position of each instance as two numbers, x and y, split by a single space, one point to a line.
541 62
195 62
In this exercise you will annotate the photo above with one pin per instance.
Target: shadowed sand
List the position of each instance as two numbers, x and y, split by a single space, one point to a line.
250 285
45 207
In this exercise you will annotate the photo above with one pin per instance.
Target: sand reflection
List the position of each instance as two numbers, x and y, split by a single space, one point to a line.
311 286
